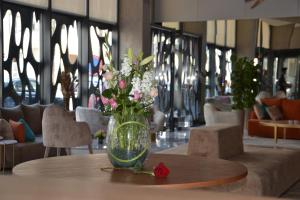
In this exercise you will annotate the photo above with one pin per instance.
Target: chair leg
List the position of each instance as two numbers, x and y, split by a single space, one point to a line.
58 152
90 148
68 151
47 150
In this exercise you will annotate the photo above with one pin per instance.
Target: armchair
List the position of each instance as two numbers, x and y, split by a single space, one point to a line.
214 116
60 130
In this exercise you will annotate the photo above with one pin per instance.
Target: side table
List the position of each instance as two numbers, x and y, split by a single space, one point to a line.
3 144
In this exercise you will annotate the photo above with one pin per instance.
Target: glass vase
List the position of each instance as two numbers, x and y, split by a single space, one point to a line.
128 141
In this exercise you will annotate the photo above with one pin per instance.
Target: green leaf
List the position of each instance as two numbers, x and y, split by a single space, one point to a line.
107 93
140 56
130 54
147 60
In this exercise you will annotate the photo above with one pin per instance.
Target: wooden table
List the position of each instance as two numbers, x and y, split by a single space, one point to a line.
25 188
281 124
186 171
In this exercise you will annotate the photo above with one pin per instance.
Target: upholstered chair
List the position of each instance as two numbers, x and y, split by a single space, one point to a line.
93 117
158 121
213 116
60 130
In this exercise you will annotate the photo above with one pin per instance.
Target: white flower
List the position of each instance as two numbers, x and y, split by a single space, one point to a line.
126 67
146 83
136 84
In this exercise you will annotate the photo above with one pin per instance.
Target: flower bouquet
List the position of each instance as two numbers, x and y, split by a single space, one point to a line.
128 99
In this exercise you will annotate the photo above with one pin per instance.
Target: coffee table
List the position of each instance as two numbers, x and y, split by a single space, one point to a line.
186 171
281 124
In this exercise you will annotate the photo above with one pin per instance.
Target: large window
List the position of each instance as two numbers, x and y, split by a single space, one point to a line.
39 44
187 80
21 55
177 72
162 42
98 58
65 38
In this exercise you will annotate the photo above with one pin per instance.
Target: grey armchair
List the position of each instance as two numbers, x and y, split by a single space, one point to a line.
93 117
60 130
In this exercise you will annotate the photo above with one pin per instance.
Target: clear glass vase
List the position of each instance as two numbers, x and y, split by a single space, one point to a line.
128 141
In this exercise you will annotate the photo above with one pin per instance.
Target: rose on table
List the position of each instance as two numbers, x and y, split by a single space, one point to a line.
159 171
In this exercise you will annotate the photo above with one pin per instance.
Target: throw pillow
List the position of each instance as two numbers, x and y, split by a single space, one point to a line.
274 112
260 111
18 130
14 113
5 130
33 117
29 135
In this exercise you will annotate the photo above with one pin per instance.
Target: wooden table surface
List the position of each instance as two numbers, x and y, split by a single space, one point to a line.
282 123
186 171
29 188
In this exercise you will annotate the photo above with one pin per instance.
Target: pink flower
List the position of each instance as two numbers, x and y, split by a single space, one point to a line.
101 66
113 103
136 95
104 100
153 92
108 75
122 84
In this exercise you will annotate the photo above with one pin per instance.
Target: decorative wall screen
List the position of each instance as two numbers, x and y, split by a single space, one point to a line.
187 80
21 56
177 70
97 59
65 51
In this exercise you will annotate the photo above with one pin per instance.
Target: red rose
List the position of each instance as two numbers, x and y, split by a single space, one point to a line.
161 171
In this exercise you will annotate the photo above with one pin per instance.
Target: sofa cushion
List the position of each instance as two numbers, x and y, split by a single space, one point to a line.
14 114
6 130
32 115
260 111
272 102
290 109
274 112
29 135
18 130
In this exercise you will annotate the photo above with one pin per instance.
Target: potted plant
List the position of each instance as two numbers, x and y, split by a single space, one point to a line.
100 135
245 85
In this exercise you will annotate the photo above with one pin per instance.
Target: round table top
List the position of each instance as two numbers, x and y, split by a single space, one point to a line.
282 123
185 171
7 142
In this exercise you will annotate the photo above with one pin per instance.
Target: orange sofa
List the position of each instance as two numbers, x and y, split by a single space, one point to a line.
290 110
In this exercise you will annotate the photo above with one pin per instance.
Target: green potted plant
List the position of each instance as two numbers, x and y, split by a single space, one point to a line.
100 135
245 85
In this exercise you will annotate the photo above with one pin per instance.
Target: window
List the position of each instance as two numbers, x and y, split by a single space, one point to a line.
177 72
186 80
33 63
162 49
97 60
21 56
65 52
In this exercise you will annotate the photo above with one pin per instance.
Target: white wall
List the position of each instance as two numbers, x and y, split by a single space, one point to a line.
199 10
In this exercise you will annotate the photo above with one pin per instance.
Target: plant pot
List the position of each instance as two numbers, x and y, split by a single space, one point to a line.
128 142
